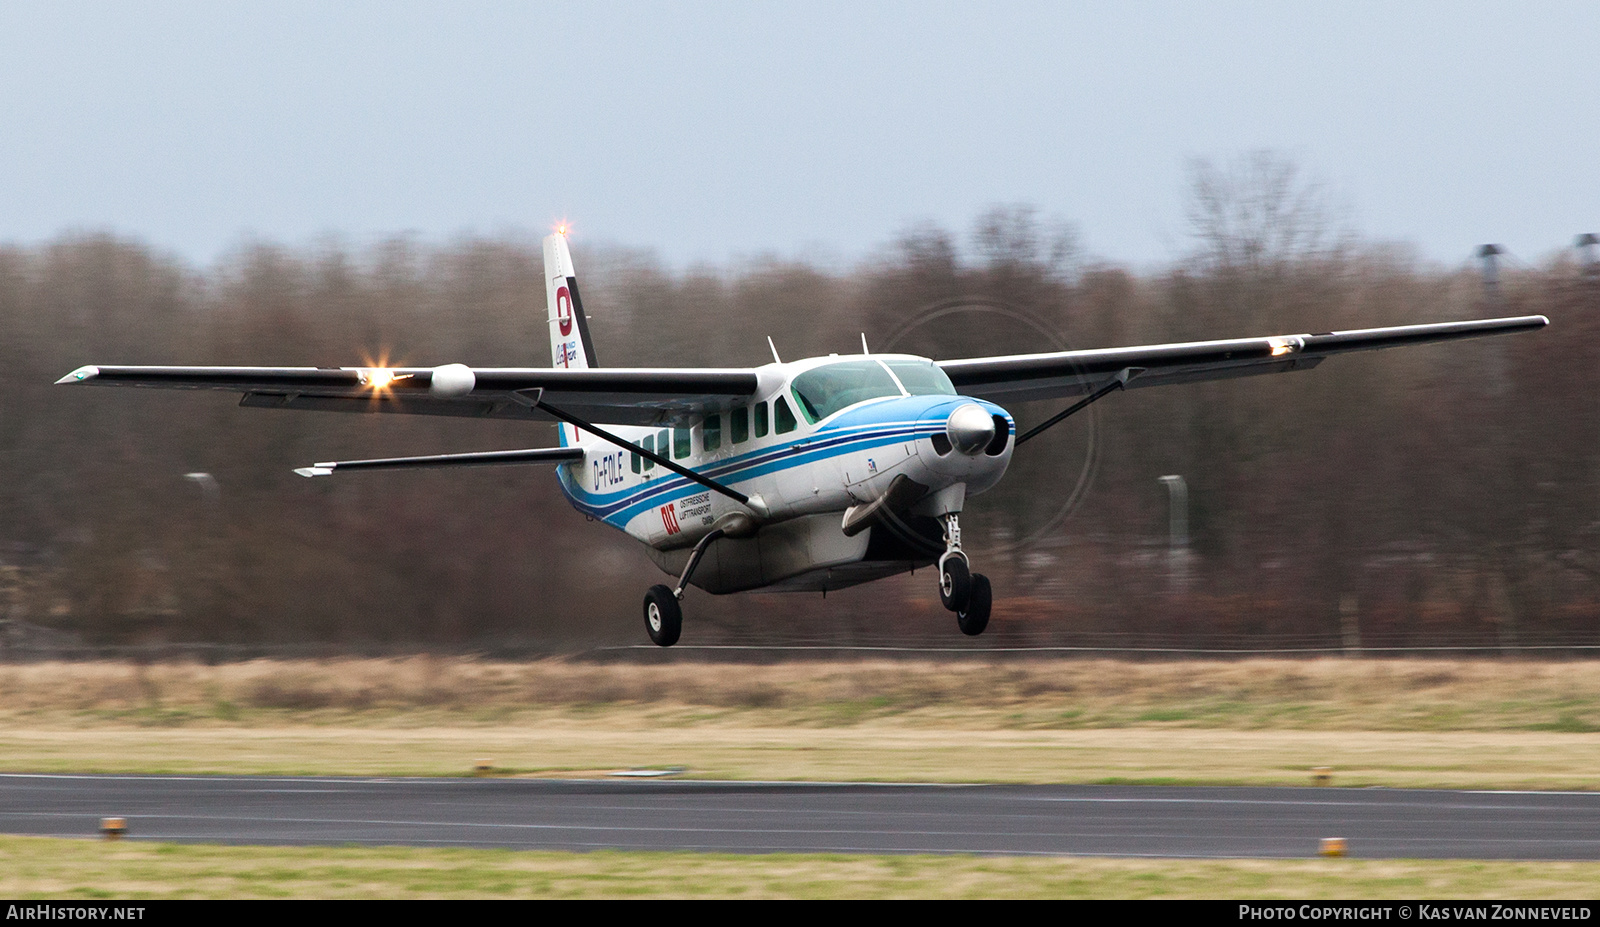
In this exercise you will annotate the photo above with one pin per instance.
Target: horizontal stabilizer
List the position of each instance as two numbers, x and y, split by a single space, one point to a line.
474 459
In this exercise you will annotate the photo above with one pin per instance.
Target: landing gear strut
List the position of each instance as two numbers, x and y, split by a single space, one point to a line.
663 608
966 593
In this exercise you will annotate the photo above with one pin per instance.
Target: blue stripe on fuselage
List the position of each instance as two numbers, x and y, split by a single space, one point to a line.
619 508
874 424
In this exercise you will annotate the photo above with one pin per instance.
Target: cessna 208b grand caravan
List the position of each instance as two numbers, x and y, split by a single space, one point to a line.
810 475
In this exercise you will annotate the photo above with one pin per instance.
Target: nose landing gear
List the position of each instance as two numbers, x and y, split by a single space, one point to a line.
975 617
966 593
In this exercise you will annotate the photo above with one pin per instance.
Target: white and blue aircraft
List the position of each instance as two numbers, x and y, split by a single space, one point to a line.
810 475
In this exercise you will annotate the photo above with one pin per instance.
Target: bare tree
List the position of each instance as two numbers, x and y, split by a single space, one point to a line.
1259 211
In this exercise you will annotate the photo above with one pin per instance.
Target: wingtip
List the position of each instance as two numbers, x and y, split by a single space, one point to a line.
78 376
318 470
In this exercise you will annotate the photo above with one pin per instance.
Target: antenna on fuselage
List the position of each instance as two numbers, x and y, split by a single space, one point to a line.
774 348
864 343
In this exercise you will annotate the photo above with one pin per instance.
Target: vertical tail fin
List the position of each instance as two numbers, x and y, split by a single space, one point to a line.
570 345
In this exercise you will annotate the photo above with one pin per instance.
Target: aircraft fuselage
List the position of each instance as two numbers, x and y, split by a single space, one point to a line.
809 453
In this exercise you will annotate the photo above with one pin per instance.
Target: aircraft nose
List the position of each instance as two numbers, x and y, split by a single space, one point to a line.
970 429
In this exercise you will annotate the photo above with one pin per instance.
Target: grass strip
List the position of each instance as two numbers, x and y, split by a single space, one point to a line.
883 751
41 867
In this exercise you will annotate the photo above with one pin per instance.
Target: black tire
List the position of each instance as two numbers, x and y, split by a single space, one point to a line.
975 617
663 616
955 584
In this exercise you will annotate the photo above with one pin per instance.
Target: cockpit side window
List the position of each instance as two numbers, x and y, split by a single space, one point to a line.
783 418
822 391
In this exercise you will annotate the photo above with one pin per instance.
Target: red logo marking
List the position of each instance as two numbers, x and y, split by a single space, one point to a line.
564 310
669 518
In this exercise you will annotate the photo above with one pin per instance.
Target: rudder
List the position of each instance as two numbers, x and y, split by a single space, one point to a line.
570 345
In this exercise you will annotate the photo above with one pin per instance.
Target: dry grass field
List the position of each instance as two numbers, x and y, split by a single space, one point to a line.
39 867
1448 723
1319 694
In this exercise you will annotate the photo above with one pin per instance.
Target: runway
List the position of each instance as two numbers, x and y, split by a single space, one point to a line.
744 817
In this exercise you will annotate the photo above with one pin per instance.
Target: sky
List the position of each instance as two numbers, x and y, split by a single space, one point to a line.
717 132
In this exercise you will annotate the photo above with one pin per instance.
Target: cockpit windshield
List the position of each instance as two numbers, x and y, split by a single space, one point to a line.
823 391
921 377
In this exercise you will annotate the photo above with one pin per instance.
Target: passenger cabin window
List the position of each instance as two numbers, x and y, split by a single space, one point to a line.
711 432
649 444
785 418
921 378
761 420
661 442
680 443
633 461
739 425
825 390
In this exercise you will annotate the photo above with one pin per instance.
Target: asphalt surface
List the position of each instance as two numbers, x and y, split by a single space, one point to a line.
811 817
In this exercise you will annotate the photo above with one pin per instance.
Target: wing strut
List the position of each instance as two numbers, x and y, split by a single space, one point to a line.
1118 381
532 398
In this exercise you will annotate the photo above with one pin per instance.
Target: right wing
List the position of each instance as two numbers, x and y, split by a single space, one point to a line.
621 396
1075 373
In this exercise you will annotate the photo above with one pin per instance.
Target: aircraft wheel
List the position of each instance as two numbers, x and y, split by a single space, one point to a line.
975 617
663 616
955 584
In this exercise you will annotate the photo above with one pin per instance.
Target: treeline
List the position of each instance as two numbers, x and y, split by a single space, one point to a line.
1446 494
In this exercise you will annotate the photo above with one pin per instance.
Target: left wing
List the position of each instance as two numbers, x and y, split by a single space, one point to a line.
622 396
1075 373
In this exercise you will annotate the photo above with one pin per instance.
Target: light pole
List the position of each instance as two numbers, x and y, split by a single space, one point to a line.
1177 530
208 488
208 546
1586 244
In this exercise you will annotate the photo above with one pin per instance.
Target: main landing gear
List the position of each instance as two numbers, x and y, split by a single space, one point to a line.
966 593
663 615
663 609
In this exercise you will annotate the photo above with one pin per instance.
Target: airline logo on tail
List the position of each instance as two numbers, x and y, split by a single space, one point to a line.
564 310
